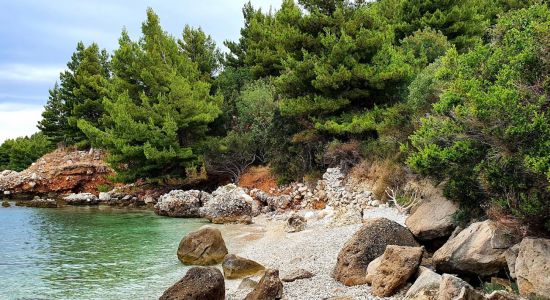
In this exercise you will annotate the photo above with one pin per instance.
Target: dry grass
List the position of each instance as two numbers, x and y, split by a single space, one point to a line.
379 175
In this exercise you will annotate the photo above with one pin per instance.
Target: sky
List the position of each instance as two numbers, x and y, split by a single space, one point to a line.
37 38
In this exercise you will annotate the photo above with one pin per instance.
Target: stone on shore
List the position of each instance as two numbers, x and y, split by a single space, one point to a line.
477 250
533 268
297 275
81 199
432 219
295 223
199 283
270 287
398 264
238 267
6 203
202 247
229 204
368 243
181 204
38 203
426 285
104 197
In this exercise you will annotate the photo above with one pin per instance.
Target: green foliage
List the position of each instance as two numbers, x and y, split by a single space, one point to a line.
18 154
158 108
490 131
201 49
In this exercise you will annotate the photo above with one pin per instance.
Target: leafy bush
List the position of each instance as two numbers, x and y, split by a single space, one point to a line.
18 154
489 134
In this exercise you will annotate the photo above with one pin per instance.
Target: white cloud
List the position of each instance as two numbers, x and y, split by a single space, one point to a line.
29 73
18 120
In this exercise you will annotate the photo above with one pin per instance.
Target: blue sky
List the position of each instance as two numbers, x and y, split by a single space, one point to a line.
37 38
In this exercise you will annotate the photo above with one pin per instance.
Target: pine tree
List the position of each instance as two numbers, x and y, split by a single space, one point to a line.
201 49
54 120
157 110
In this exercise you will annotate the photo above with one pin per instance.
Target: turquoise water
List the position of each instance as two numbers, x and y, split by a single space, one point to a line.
88 253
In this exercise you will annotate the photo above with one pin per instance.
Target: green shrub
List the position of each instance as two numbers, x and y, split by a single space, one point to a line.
18 154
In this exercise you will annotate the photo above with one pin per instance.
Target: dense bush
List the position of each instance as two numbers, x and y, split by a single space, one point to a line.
18 154
489 134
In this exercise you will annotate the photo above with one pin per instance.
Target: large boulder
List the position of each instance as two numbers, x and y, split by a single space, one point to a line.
202 247
38 203
199 283
181 204
229 204
432 219
398 264
81 199
477 250
533 268
454 288
426 285
238 267
270 287
368 243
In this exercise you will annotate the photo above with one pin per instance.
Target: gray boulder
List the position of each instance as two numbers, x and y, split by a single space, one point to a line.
432 219
81 199
532 268
426 285
181 204
229 204
202 247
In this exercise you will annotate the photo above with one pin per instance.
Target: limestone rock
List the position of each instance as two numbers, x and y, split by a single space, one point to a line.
502 295
199 283
104 197
295 223
511 255
202 247
38 203
81 199
471 251
398 264
181 204
454 288
229 204
238 267
297 275
371 269
368 243
247 283
270 287
533 268
432 219
425 286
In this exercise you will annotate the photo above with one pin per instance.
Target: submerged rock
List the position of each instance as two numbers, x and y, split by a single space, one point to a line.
202 247
229 204
270 287
199 283
398 264
238 267
368 243
181 204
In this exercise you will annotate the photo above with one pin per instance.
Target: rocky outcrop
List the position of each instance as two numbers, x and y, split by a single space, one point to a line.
229 204
181 204
199 283
59 172
295 223
368 243
532 268
297 275
478 249
433 218
81 199
426 285
202 247
238 267
270 287
38 203
454 288
398 264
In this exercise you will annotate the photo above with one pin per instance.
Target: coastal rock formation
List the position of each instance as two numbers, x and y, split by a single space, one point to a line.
475 250
199 283
5 203
238 267
60 172
181 204
38 203
532 268
81 199
202 247
454 288
433 218
398 264
295 223
426 285
368 243
229 204
297 275
270 287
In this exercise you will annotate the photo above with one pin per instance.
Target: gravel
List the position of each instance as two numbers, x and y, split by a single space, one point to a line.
314 249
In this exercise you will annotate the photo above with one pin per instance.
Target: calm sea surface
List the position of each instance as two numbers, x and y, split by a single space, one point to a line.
89 253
